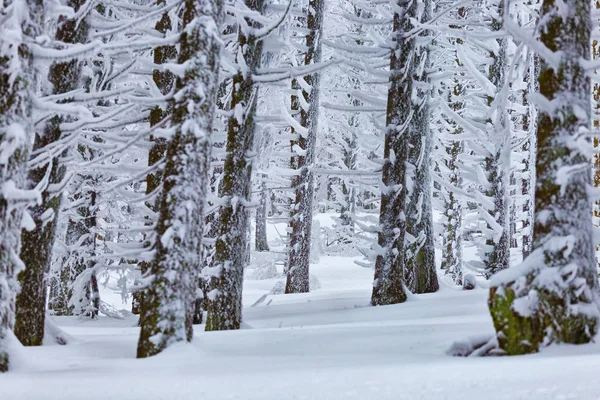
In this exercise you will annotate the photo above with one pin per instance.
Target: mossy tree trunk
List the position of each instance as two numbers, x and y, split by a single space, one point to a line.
36 245
164 82
169 302
553 296
420 271
225 305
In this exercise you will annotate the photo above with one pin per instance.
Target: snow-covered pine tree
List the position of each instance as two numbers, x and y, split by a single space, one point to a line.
37 244
553 296
529 150
170 299
263 147
450 146
225 305
306 103
498 161
525 152
420 270
596 126
20 25
164 82
388 286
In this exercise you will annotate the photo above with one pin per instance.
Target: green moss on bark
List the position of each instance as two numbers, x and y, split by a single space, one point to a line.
516 334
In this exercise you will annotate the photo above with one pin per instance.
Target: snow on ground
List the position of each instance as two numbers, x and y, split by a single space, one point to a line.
328 344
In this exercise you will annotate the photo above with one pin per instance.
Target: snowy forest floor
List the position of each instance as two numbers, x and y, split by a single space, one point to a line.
328 344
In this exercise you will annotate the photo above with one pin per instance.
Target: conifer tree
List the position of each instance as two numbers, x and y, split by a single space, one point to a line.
164 82
497 163
388 286
421 275
305 102
225 305
169 302
36 245
553 296
21 23
453 204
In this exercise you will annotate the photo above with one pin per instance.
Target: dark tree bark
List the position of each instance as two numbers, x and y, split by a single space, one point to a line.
225 305
421 275
169 302
36 245
303 184
496 164
529 148
260 234
164 81
388 287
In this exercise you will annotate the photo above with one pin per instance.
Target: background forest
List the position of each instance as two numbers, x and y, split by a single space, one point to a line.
227 164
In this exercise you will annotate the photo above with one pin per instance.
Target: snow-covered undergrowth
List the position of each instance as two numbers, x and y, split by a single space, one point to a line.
328 344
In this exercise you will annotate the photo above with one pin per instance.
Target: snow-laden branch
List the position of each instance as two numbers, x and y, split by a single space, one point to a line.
124 26
275 75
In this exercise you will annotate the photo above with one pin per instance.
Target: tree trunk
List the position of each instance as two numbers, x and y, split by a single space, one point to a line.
260 234
529 148
164 81
420 270
302 206
497 164
17 81
555 297
169 302
36 245
388 286
225 305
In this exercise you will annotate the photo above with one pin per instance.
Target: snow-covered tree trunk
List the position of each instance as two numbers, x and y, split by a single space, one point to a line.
349 158
452 222
301 208
20 25
529 150
388 286
226 276
497 164
263 145
420 270
596 126
169 302
164 82
553 296
36 245
82 241
260 233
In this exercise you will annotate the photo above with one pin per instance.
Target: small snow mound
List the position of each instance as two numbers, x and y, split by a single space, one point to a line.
469 282
263 265
314 283
53 335
264 272
476 346
16 357
279 288
113 312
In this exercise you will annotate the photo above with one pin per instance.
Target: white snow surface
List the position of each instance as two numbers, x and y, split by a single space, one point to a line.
328 344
